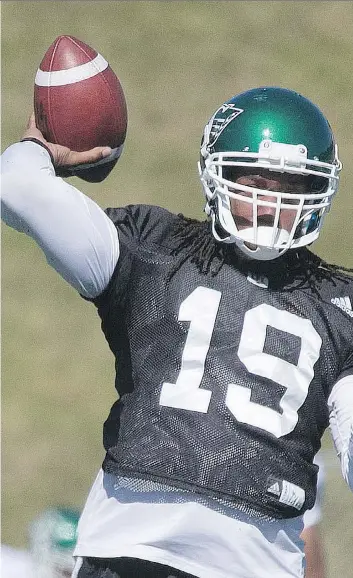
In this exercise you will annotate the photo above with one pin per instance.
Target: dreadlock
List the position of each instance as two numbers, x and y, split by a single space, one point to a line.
194 240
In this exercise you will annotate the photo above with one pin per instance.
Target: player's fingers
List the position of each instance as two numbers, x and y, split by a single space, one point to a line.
91 156
31 121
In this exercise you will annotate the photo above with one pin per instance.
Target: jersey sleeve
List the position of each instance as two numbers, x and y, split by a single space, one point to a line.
78 239
140 228
141 224
347 369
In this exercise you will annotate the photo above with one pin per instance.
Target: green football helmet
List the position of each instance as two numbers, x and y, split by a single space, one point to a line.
52 538
283 132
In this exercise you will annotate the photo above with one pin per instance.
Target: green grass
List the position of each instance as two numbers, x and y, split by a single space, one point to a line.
177 62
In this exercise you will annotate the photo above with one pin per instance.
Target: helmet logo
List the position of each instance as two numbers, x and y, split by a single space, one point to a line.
221 118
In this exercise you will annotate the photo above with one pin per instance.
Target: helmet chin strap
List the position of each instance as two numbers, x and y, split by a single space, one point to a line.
262 250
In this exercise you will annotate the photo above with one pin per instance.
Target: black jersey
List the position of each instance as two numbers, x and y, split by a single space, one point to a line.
223 379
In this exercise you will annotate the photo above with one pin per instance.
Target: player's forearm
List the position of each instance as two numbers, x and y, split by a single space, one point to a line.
349 466
78 239
314 553
341 425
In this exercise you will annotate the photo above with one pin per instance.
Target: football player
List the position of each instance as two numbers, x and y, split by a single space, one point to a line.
233 343
52 538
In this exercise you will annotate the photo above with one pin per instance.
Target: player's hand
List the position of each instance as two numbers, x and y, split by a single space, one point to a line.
63 156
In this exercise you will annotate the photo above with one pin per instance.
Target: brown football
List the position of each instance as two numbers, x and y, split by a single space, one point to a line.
79 103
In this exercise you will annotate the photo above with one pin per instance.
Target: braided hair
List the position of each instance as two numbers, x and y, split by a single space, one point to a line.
193 240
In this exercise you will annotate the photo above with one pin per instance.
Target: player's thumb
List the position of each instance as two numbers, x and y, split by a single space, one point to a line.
91 156
32 131
31 121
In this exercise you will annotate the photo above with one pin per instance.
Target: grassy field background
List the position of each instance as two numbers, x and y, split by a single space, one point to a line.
177 62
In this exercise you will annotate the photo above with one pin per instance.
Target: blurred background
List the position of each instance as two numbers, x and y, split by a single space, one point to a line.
177 61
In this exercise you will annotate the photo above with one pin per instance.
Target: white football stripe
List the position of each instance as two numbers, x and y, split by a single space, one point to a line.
71 75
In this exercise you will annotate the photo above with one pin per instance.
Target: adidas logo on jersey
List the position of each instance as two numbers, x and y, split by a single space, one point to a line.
274 489
343 303
287 493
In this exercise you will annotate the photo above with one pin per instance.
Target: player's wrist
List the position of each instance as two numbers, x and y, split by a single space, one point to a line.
40 143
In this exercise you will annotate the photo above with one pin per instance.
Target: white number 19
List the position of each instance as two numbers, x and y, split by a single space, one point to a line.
201 308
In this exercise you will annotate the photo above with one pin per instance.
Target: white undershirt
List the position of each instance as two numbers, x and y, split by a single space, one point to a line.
312 517
189 536
81 243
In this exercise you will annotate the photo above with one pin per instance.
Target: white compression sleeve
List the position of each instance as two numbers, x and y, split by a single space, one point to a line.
77 237
340 405
26 157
